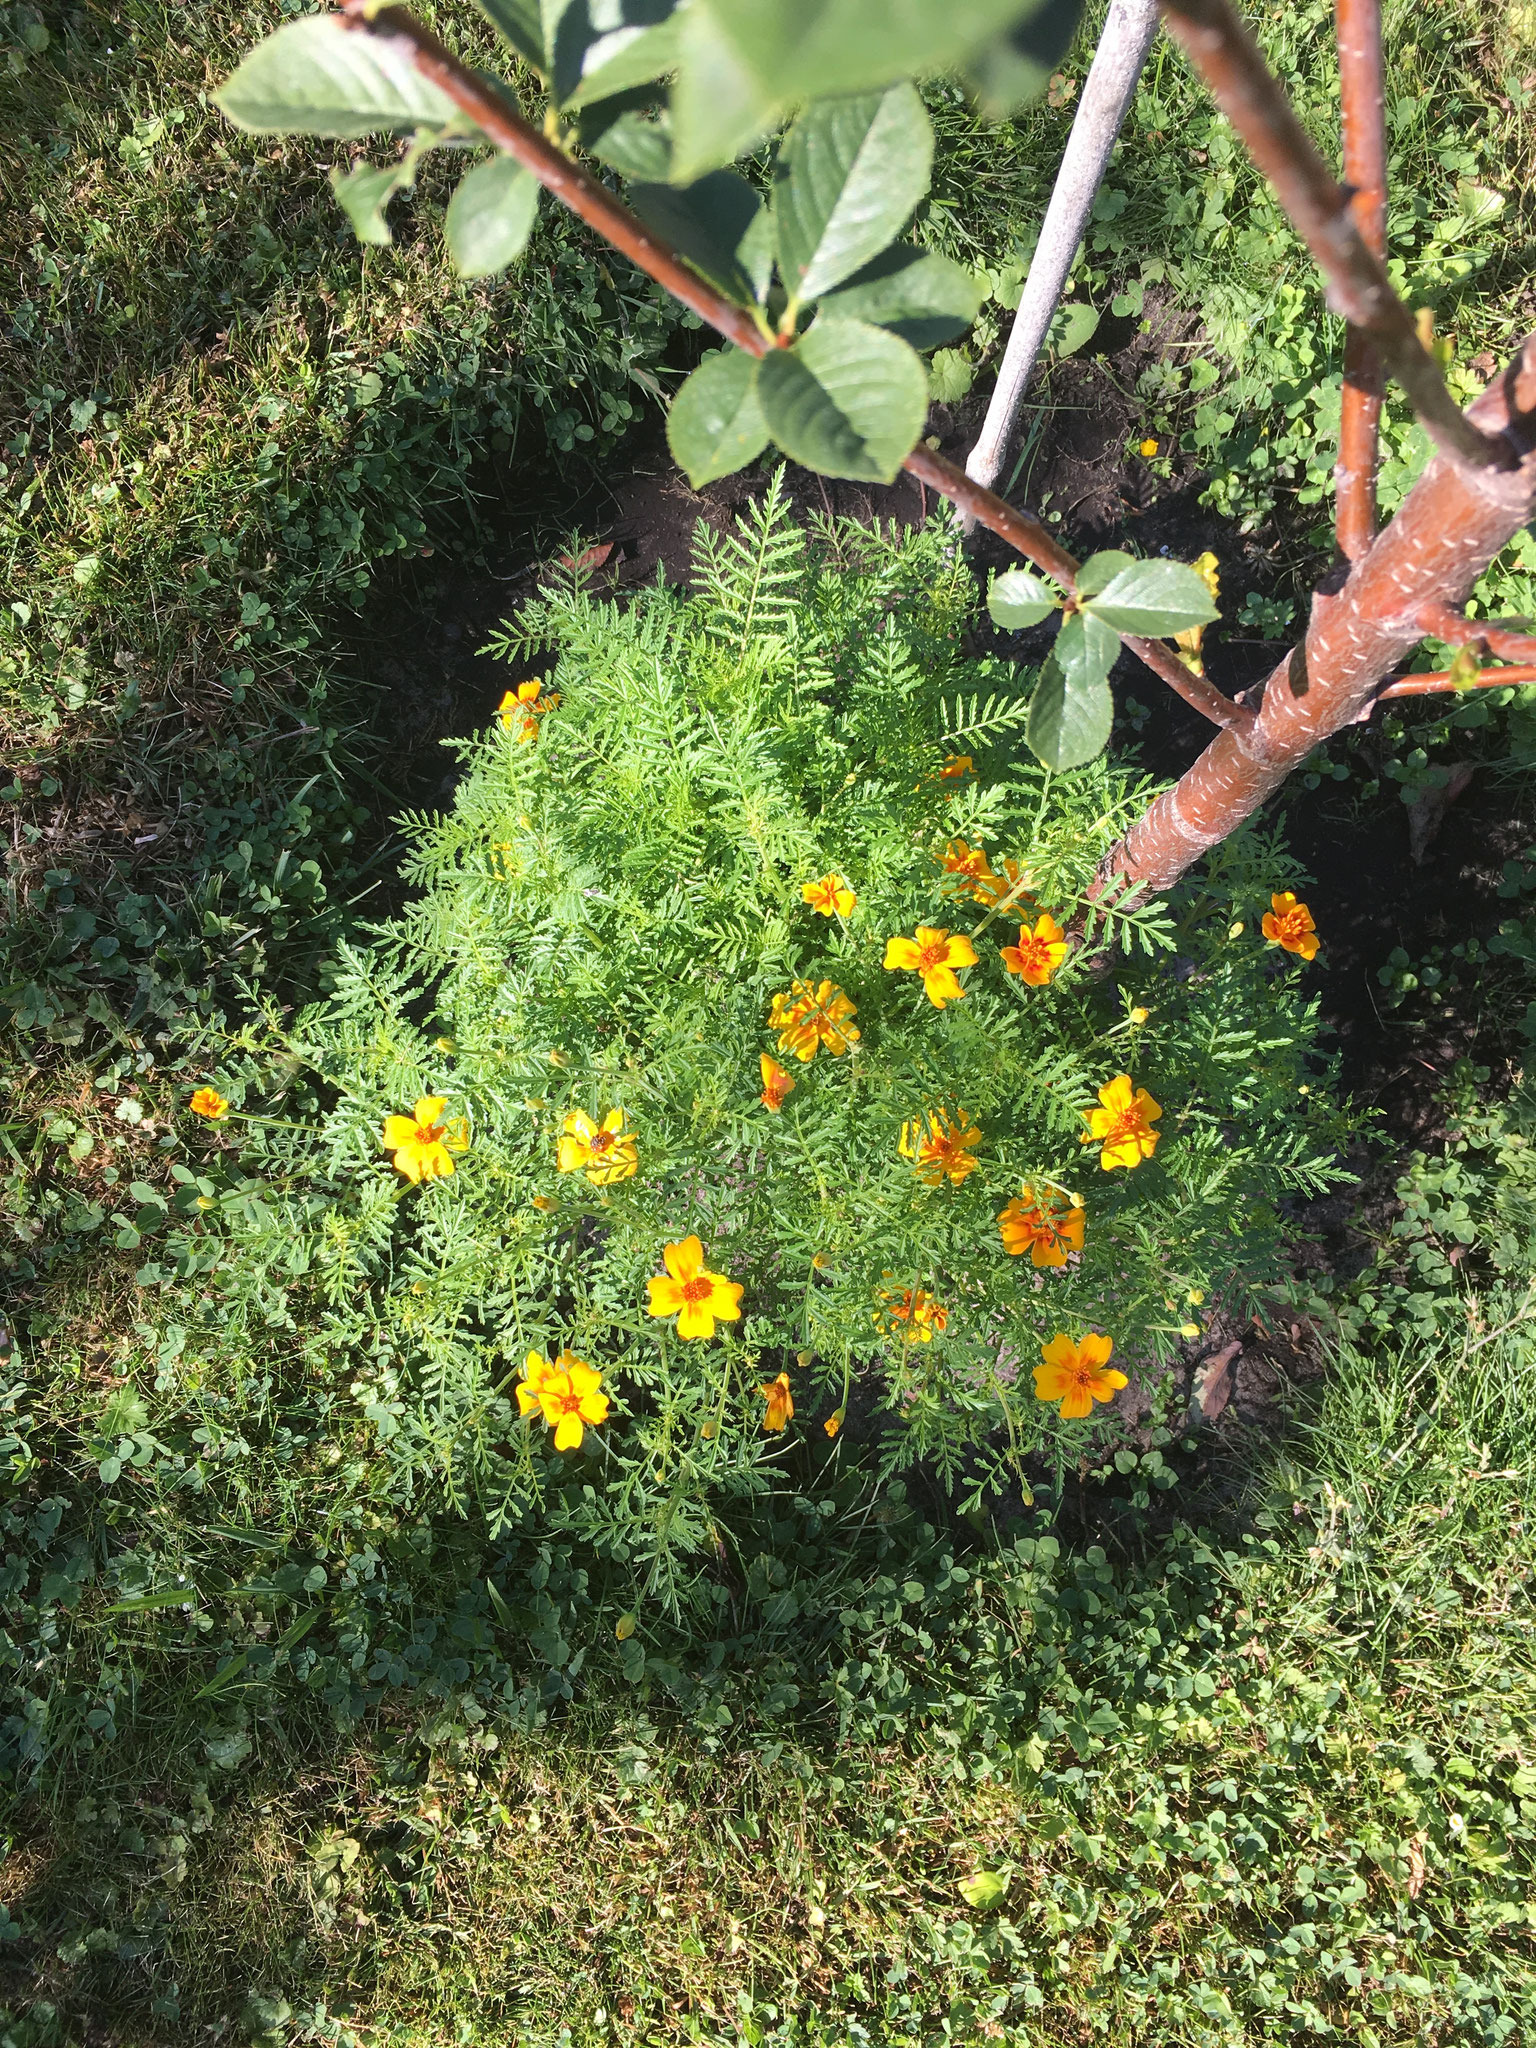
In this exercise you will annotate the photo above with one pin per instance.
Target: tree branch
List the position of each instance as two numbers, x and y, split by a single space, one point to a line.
1358 287
1435 681
1362 101
499 119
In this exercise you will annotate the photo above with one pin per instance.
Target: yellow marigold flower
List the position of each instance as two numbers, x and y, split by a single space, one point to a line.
781 1402
1042 1228
210 1103
821 1261
956 765
831 896
1207 569
941 1148
833 1423
1148 448
1076 1375
776 1082
522 709
566 1393
934 955
1288 924
606 1153
912 1314
1124 1123
422 1142
689 1291
1139 1016
1039 952
810 1017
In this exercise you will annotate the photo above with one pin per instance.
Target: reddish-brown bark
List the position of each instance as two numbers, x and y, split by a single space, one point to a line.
1437 681
1362 104
1451 525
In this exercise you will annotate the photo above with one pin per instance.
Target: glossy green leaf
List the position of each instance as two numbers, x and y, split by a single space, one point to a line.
716 424
603 47
521 24
1155 597
622 133
1019 598
848 400
1016 66
491 216
1085 648
1072 328
1099 568
845 184
364 192
719 107
924 298
318 77
1068 722
718 224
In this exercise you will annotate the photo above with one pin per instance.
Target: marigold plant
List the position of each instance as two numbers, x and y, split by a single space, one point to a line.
611 966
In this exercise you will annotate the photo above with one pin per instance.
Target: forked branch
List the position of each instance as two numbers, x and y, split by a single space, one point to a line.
1358 287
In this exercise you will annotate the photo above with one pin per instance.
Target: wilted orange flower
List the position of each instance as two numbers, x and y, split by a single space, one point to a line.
545 1202
940 1147
689 1291
422 1142
1288 924
522 709
1043 1227
831 896
915 1315
833 1423
810 1017
210 1103
776 1083
781 1402
1124 1123
605 1152
1006 886
566 1393
934 955
955 766
1039 952
1076 1375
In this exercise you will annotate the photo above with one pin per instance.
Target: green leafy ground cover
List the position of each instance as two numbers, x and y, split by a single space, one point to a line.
1244 1784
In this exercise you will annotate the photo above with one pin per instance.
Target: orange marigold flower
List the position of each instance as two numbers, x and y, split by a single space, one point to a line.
566 1393
1007 885
1288 924
776 1082
210 1103
941 1148
1077 1375
1039 952
1148 448
833 1423
971 863
422 1142
809 1017
934 955
781 1402
605 1152
689 1291
956 765
522 709
1042 1227
831 896
911 1314
1124 1124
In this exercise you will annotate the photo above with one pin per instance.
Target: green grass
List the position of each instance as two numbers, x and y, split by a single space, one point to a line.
1269 1781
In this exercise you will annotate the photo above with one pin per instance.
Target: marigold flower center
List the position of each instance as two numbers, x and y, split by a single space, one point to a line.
569 1403
699 1288
600 1141
933 955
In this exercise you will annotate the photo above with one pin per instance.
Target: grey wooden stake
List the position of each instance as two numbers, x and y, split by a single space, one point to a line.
1107 93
